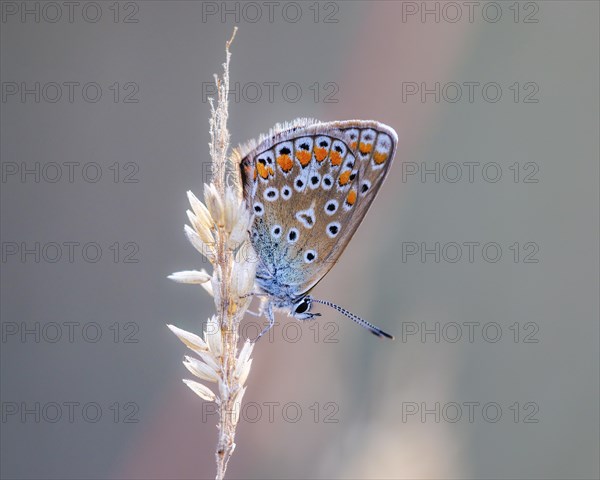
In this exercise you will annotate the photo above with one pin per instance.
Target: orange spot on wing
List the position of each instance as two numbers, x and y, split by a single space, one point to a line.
285 163
351 198
344 177
320 154
336 158
303 157
255 174
380 157
262 170
365 147
353 145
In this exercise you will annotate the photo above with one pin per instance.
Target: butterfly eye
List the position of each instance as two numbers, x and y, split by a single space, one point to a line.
303 306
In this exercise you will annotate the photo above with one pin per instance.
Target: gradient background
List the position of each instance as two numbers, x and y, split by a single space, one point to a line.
368 53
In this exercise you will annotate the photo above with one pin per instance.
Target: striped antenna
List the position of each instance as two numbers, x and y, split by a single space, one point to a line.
363 323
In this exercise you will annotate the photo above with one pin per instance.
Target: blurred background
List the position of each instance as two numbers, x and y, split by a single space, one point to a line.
480 253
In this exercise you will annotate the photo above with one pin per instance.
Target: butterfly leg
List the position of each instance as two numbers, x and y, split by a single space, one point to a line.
261 308
271 317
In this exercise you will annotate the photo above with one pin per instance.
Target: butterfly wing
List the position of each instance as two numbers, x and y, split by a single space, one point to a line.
310 186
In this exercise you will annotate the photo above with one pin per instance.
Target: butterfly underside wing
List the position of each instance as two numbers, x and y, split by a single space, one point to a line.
309 186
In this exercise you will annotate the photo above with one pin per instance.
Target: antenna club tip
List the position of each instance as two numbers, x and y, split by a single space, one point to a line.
382 334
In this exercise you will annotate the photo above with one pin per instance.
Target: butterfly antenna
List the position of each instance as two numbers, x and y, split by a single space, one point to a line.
363 323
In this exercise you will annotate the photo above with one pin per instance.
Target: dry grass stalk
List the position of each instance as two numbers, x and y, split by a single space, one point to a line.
218 230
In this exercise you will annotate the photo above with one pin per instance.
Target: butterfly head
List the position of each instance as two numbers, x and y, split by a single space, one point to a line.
301 309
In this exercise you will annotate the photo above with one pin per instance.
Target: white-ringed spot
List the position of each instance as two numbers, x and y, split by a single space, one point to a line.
352 134
276 231
331 207
293 234
306 217
333 229
300 183
327 182
365 186
314 181
384 143
286 192
271 194
259 209
310 256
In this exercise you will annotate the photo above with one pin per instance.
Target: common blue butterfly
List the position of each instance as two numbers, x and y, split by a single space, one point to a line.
309 185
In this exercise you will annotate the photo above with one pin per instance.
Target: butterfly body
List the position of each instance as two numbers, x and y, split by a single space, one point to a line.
309 185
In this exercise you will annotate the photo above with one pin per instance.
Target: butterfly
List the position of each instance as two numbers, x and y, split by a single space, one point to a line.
309 185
